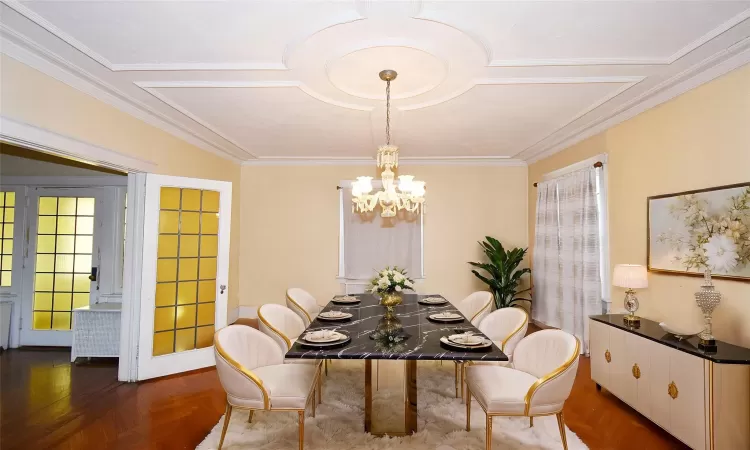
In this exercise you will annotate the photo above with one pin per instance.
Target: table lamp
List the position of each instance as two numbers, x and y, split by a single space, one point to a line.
630 276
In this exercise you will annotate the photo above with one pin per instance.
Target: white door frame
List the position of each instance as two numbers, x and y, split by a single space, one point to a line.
22 134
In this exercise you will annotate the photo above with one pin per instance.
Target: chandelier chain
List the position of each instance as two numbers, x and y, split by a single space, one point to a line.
388 113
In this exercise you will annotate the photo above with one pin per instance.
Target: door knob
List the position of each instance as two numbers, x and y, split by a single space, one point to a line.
222 288
636 371
608 356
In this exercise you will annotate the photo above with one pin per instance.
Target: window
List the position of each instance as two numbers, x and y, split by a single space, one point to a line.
7 217
370 242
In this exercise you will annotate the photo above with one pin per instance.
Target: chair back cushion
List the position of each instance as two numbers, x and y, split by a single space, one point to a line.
506 327
281 324
476 306
303 304
552 357
239 350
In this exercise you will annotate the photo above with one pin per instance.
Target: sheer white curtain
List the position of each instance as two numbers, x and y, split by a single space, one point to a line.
566 253
372 242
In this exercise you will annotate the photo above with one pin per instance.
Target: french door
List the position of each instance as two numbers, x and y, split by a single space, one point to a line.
62 261
185 273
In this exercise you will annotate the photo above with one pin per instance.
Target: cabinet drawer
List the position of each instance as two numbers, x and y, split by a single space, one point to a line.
687 407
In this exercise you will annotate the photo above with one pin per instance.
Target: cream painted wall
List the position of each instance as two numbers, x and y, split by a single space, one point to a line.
290 225
698 140
32 97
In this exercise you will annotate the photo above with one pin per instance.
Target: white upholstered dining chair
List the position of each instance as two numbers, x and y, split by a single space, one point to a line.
538 383
283 326
303 303
476 306
252 372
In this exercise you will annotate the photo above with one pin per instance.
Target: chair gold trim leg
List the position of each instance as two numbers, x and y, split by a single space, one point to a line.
455 375
326 364
531 422
468 410
250 416
561 425
227 417
461 383
314 401
301 430
320 385
488 438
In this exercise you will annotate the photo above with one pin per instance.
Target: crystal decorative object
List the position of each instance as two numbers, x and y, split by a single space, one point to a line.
707 298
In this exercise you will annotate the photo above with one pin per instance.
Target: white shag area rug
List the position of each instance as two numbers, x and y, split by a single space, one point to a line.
339 421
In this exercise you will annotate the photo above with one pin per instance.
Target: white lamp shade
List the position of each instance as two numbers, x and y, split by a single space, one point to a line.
417 188
405 183
631 276
364 184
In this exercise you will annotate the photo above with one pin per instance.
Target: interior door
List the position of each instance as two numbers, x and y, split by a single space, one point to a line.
61 260
185 273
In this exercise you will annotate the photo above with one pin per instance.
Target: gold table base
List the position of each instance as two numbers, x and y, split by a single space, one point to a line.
406 395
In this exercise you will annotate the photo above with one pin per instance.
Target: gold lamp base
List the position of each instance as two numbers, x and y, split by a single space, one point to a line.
632 320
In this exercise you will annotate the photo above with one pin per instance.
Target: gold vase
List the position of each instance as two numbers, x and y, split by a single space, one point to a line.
390 299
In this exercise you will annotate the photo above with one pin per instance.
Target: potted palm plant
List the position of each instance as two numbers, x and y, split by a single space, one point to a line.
501 272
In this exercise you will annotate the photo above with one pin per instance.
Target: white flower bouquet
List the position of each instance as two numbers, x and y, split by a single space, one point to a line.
391 280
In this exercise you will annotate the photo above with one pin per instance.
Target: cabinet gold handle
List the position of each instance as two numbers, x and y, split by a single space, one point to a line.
608 356
672 390
636 371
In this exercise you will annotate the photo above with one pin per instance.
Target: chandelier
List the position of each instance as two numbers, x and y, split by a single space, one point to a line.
408 194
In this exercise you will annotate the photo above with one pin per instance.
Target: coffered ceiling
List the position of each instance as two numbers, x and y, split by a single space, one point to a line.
279 80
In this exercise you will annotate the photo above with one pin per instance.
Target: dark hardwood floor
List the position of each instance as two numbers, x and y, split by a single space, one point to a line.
48 403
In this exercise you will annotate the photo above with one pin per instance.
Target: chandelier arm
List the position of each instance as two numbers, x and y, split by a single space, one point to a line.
388 112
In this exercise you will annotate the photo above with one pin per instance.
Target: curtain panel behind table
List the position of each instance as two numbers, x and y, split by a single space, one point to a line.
571 288
372 242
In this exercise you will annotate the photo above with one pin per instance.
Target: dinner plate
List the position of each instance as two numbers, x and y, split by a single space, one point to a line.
341 316
473 340
312 338
433 301
345 339
345 299
486 344
446 317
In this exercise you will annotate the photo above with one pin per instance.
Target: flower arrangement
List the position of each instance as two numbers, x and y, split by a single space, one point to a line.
391 280
718 237
390 340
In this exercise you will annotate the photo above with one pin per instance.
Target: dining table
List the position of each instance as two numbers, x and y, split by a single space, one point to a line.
420 341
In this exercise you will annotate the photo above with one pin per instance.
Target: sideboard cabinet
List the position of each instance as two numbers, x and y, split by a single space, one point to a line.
702 399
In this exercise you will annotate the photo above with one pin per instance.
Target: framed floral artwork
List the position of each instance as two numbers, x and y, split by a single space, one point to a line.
689 231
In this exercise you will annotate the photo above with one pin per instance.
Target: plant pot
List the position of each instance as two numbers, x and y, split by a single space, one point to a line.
390 299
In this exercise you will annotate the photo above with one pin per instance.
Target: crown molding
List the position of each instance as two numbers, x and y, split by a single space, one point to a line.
29 53
167 67
405 161
709 69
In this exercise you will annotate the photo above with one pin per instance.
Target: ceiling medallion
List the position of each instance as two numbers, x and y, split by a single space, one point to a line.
408 194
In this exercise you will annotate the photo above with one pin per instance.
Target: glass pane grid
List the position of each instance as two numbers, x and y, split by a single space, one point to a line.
7 219
186 270
63 260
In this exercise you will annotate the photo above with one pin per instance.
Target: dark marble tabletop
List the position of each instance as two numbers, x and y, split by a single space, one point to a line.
423 343
725 353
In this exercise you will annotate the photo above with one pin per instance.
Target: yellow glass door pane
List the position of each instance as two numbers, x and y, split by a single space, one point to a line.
64 263
43 281
5 278
188 269
80 300
62 302
210 201
60 320
185 316
42 320
8 230
208 269
85 206
190 223
47 206
84 244
209 245
169 198
47 225
186 292
169 222
84 225
66 206
164 319
185 340
204 336
167 246
45 263
165 294
43 301
163 343
166 270
207 291
206 313
65 244
210 223
188 246
81 283
191 200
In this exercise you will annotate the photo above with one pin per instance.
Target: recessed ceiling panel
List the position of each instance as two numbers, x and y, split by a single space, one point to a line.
496 120
275 121
531 30
190 32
